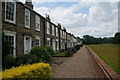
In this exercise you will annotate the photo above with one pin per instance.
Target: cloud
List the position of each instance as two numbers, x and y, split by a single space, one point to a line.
66 16
42 10
100 21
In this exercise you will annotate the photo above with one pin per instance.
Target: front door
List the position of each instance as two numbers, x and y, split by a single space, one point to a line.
54 44
27 44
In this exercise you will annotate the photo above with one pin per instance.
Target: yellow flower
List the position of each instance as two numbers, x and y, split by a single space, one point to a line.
27 71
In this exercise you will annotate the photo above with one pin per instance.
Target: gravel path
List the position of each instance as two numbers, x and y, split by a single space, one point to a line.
80 65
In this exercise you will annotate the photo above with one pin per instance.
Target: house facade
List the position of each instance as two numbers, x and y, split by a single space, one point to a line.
24 28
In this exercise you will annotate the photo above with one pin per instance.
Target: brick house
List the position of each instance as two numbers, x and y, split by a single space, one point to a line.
24 28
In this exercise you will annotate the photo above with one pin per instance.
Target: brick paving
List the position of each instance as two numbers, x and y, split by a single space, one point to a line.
80 65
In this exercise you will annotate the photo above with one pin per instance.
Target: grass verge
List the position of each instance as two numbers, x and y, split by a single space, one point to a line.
61 54
109 53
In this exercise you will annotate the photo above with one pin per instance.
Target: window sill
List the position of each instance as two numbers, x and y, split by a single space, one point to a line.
28 27
48 34
37 30
10 22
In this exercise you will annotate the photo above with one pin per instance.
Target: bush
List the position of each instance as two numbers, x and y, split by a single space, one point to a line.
41 52
5 47
50 49
26 59
77 47
8 61
69 52
62 50
37 70
74 50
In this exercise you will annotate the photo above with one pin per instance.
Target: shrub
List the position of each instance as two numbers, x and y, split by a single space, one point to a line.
69 52
50 49
78 47
41 52
8 61
62 50
5 47
26 59
74 49
37 70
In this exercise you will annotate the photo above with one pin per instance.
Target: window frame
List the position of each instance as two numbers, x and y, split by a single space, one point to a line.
57 31
27 26
57 42
61 44
53 30
61 33
37 22
39 41
14 35
54 42
14 21
65 35
48 27
48 39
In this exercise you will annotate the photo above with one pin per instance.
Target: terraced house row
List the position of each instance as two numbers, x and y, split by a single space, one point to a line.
24 28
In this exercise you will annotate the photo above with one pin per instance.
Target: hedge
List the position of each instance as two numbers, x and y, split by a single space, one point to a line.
37 70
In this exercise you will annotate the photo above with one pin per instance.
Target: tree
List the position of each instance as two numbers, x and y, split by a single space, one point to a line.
92 40
117 38
89 40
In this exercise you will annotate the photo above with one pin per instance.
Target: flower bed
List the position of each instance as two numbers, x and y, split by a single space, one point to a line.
37 70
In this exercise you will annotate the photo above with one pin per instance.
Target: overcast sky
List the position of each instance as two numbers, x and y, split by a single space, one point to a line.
99 19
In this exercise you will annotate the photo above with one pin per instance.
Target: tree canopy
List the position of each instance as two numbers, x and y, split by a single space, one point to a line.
87 39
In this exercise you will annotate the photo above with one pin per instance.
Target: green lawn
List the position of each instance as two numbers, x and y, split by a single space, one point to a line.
109 54
61 54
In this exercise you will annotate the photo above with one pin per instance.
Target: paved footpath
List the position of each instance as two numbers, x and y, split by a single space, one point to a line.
80 65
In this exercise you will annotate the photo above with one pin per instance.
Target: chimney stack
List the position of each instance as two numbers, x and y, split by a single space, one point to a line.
59 25
29 3
48 17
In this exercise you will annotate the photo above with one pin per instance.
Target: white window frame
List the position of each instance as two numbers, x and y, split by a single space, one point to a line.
27 26
57 31
14 21
65 35
53 42
61 44
48 39
53 30
37 22
48 27
14 35
39 41
57 44
61 33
